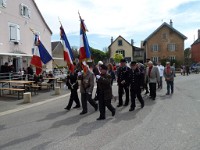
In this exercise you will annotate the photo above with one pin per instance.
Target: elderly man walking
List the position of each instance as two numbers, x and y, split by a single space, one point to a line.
169 77
152 73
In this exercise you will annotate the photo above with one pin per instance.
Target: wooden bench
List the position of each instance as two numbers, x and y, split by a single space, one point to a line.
13 89
35 89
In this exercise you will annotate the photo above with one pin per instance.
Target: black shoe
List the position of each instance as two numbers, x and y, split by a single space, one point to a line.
172 92
142 105
83 112
167 93
77 106
96 107
67 108
146 93
153 98
131 109
125 104
101 118
113 113
119 105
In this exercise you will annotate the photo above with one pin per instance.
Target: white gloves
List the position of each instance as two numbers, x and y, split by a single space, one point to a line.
98 76
79 73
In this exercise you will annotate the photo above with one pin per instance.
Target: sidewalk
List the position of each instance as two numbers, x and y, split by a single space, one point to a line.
10 102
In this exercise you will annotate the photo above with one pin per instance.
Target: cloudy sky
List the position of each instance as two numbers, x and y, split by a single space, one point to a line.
111 18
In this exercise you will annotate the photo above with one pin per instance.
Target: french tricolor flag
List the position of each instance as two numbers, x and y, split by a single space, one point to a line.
67 51
84 50
36 61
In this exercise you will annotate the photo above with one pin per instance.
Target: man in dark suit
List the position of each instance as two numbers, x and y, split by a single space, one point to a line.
136 83
123 83
104 92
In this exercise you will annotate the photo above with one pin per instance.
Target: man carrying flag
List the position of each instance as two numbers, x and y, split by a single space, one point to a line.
72 82
84 50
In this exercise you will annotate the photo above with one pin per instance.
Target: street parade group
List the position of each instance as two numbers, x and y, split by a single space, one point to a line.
131 81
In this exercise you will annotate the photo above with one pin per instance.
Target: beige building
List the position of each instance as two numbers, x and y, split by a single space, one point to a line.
16 41
129 52
165 43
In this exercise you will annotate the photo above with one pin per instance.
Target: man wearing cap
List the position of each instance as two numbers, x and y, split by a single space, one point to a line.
104 92
136 83
123 82
96 71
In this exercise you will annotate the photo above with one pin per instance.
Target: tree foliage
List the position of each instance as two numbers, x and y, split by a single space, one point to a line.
117 57
97 55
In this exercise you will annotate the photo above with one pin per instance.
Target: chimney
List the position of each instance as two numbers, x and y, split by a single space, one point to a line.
132 42
171 23
199 34
111 40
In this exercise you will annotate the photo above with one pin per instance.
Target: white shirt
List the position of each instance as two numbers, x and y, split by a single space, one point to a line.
161 69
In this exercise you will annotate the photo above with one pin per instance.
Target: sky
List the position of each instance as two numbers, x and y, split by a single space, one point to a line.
110 18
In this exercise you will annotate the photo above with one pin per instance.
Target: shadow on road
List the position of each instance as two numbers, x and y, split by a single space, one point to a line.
87 128
53 116
20 140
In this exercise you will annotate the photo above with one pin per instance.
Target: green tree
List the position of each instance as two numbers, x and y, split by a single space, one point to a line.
117 57
187 56
97 55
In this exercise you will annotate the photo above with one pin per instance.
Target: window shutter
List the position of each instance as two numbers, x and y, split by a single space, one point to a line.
13 33
152 48
21 9
29 13
18 33
4 3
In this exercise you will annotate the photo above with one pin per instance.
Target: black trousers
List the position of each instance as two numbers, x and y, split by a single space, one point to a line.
136 92
121 90
152 87
87 97
73 97
102 106
170 85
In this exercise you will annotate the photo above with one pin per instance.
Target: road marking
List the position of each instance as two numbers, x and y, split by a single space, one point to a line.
30 105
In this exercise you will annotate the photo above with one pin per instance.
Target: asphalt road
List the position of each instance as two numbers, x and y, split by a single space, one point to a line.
168 123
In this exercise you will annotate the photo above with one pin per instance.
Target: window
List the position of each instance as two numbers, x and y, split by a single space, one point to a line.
121 52
154 47
14 30
119 42
172 58
171 47
2 3
138 54
155 59
25 11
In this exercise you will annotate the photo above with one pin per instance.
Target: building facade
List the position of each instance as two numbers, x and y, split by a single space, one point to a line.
195 49
129 52
165 43
16 41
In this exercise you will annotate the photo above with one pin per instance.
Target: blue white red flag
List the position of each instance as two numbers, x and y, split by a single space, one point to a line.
36 61
84 50
44 54
67 51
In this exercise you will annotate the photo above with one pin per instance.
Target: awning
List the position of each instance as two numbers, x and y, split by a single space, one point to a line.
15 54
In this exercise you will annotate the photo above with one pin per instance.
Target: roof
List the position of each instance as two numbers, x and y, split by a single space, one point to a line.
196 42
42 17
116 39
54 45
167 25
